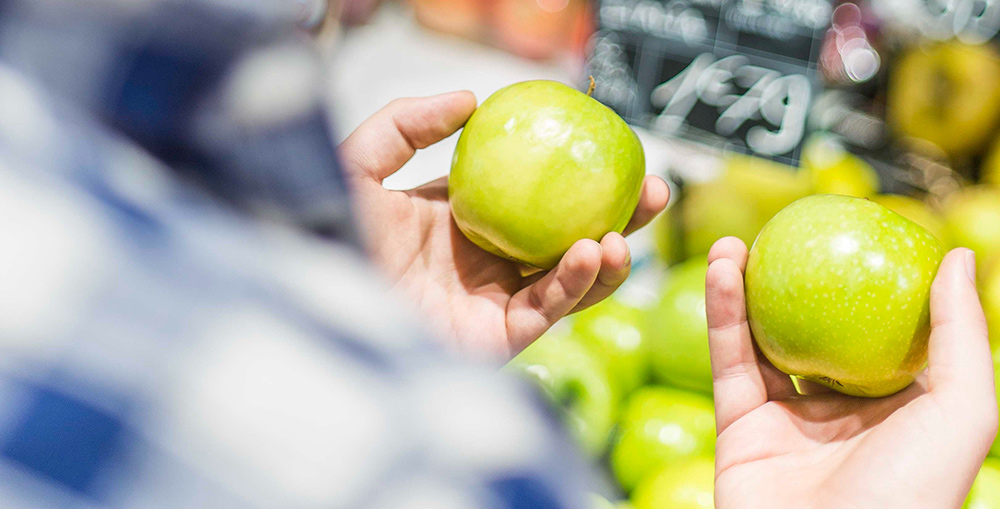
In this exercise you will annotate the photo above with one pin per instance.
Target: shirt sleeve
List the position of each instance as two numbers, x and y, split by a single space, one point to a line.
229 94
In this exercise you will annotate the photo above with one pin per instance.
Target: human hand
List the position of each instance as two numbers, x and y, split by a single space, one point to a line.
919 448
483 302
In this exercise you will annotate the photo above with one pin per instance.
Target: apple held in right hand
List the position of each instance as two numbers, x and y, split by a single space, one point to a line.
837 292
916 211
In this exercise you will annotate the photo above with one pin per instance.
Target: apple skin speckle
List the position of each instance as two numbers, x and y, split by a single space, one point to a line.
821 310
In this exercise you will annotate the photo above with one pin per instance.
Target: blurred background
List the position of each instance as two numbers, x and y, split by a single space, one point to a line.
744 106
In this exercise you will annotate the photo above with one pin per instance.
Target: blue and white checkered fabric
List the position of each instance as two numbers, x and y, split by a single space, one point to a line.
164 341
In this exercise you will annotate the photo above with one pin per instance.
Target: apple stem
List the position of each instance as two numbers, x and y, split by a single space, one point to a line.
593 85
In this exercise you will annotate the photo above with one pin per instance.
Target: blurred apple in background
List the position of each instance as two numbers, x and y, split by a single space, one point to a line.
838 293
989 173
834 170
916 211
946 94
577 381
973 219
540 166
752 191
691 225
770 186
985 493
464 18
614 330
687 484
677 333
660 426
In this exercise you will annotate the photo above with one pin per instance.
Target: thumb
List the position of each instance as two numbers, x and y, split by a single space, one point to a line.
386 141
959 349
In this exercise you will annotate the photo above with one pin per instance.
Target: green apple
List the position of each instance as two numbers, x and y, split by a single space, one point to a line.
677 333
946 94
690 226
985 493
834 170
973 219
658 427
686 485
577 382
614 330
916 211
540 166
837 292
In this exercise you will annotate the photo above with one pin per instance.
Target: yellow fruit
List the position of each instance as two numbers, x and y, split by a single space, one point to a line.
834 170
947 94
768 185
972 216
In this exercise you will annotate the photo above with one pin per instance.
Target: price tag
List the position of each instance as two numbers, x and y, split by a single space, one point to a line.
737 74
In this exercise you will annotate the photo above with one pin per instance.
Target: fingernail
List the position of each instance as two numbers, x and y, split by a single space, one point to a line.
970 264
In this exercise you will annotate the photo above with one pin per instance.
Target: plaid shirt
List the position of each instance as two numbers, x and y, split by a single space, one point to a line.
167 337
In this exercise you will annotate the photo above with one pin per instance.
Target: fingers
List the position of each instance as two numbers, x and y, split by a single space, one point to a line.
616 263
652 200
738 381
534 309
959 352
386 141
731 248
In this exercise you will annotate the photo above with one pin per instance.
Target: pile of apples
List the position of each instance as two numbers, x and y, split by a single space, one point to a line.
540 165
633 382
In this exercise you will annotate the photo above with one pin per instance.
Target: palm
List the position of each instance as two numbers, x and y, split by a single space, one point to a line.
918 448
845 440
442 270
486 304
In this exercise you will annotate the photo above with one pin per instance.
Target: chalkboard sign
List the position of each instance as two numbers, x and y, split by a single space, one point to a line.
736 74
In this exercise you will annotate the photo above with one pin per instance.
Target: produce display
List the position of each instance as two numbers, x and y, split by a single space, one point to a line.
846 230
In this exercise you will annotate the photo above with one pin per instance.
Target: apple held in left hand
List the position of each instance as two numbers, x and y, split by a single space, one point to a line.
540 166
482 303
837 292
